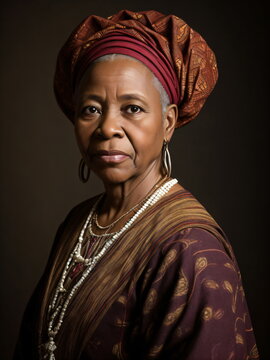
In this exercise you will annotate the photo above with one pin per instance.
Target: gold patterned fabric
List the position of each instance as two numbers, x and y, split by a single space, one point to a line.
192 60
169 288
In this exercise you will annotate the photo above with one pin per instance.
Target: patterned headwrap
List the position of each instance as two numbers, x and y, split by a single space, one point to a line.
177 55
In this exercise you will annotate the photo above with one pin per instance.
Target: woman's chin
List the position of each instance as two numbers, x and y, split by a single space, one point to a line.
113 176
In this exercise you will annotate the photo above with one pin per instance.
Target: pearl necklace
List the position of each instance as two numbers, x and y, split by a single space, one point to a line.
90 263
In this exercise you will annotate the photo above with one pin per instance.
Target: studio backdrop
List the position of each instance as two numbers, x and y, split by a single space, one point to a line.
221 157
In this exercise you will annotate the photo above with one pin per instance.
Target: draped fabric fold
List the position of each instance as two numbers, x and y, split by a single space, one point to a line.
126 260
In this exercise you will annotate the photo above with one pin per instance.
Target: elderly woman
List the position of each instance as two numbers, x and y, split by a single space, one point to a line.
141 271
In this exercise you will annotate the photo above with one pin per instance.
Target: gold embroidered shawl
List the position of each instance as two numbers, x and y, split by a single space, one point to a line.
122 264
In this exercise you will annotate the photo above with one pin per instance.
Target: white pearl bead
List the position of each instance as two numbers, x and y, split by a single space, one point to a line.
76 256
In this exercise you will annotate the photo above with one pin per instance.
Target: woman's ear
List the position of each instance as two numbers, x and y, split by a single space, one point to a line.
170 119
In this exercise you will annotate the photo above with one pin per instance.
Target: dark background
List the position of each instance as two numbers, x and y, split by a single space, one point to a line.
221 157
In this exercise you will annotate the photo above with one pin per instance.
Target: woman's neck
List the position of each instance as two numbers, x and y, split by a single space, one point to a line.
119 198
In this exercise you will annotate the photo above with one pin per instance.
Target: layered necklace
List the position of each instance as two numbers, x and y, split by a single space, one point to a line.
63 296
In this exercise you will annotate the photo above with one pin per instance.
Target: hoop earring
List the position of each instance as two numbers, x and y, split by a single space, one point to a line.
166 158
83 174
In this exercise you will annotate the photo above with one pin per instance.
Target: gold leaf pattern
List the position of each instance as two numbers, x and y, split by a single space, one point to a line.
181 286
218 314
150 301
207 313
242 292
117 351
254 354
188 242
121 323
169 258
229 266
211 284
228 286
239 339
155 350
234 300
200 264
173 316
146 277
122 299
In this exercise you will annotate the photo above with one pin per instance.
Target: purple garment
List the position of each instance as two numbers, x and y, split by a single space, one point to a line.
188 304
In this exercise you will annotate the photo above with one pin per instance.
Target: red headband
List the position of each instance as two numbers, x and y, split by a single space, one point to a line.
148 54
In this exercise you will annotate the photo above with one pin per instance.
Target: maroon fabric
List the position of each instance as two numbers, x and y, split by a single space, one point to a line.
188 304
183 55
148 54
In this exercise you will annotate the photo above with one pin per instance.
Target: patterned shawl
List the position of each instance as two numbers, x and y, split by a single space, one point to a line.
125 260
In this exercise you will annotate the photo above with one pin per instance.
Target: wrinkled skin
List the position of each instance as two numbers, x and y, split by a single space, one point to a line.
120 129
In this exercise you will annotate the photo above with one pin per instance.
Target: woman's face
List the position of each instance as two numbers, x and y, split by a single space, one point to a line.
119 123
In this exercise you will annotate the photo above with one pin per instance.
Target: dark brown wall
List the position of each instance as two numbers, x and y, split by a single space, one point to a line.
220 157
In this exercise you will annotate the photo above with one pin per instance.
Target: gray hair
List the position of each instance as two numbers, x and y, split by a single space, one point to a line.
164 98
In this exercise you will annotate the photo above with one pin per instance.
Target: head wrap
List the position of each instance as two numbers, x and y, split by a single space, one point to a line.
177 55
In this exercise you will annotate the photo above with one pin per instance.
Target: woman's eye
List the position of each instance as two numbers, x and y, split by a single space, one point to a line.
134 109
90 110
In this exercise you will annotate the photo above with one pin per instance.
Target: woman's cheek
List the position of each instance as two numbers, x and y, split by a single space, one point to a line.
81 141
83 132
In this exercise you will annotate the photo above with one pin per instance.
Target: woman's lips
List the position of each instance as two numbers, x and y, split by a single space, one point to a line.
112 156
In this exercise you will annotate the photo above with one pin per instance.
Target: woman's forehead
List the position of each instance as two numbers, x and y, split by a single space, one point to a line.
124 74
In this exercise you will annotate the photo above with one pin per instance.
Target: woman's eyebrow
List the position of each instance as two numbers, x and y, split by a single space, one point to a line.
92 97
100 99
133 97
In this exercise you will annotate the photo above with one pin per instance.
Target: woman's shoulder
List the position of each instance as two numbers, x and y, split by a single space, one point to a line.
180 214
193 243
190 256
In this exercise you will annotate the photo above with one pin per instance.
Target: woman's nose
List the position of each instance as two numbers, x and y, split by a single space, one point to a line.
110 125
